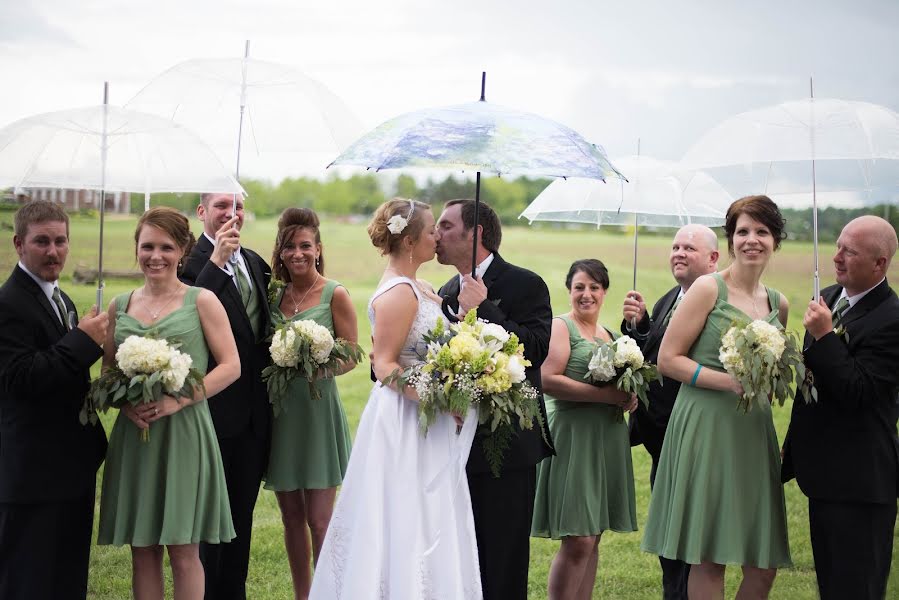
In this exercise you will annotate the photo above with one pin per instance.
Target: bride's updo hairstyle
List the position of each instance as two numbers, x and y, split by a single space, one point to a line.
291 220
394 220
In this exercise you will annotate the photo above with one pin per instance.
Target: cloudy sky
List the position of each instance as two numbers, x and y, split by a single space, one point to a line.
656 70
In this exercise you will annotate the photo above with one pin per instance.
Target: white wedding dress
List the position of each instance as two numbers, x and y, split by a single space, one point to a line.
402 526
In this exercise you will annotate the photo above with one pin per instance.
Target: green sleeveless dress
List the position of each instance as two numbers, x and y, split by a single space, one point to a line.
718 495
171 489
588 486
310 438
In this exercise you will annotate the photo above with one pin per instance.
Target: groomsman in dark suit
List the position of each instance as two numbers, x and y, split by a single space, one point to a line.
48 459
694 252
843 448
518 300
241 412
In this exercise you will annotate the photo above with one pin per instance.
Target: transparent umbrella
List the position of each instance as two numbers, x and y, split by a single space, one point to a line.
284 109
658 193
109 149
810 130
479 137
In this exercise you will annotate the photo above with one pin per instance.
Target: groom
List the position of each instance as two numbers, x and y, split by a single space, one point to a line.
518 300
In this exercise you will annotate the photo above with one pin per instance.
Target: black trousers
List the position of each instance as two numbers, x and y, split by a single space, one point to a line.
503 508
45 549
244 458
853 545
675 573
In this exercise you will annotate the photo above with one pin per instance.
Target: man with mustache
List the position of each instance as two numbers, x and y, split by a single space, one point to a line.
694 252
48 459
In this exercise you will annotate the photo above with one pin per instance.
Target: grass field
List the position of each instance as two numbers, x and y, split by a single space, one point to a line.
624 572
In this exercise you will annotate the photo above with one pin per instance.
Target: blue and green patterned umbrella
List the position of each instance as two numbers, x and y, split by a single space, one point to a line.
479 137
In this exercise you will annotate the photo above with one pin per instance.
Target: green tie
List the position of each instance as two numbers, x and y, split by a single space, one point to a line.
250 300
61 307
243 285
671 312
838 311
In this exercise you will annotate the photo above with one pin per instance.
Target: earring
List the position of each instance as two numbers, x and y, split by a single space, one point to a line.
410 257
317 262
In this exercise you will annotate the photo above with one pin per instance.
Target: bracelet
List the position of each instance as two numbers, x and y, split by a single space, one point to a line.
696 374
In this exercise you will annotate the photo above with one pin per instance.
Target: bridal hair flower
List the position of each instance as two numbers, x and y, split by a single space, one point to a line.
397 223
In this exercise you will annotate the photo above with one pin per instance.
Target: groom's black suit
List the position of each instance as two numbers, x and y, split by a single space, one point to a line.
241 414
648 425
843 449
48 459
518 300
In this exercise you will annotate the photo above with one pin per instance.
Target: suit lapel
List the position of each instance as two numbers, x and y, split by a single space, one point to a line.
35 290
657 333
871 300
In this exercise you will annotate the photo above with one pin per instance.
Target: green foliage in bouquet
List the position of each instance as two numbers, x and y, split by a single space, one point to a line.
622 362
304 349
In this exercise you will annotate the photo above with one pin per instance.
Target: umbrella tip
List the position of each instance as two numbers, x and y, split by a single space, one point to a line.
483 84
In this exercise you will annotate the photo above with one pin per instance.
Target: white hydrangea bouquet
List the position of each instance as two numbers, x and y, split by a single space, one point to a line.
474 362
146 369
304 349
763 358
621 361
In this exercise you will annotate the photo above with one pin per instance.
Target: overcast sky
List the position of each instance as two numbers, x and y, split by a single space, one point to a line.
656 70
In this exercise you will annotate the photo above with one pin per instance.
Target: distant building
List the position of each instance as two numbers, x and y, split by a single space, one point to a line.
74 200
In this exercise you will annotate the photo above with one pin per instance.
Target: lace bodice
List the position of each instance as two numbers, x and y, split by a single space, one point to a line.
428 313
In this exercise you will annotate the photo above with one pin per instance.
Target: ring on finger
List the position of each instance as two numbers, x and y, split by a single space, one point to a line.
155 411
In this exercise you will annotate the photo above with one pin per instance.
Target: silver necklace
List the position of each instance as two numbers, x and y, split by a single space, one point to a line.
155 314
296 305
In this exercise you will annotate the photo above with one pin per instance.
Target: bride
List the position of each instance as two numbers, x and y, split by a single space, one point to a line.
402 526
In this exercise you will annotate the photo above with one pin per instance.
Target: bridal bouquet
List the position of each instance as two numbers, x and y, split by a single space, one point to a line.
762 358
622 361
474 362
303 349
146 369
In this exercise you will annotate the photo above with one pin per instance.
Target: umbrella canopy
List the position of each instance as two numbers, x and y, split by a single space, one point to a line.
658 193
286 111
813 129
479 137
110 149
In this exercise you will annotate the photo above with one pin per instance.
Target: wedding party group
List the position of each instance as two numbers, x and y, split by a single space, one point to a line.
489 421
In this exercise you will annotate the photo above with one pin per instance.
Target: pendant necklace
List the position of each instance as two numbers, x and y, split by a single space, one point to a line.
296 305
155 314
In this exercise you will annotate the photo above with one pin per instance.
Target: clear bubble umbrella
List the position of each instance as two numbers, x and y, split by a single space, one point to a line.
245 103
109 149
809 130
479 137
658 193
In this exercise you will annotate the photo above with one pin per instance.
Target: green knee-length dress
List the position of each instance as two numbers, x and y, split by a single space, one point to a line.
718 496
310 438
171 489
588 486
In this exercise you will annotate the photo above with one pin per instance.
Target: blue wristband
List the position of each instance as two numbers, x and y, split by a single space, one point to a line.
695 374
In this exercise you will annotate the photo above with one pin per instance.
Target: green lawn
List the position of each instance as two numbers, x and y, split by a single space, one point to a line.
624 572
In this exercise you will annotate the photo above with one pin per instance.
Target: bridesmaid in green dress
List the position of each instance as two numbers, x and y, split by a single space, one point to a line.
310 438
169 491
718 499
588 486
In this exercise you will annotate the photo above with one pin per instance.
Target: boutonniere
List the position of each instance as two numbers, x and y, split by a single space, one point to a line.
275 287
807 387
842 333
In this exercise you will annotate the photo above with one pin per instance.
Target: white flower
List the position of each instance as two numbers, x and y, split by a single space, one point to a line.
627 353
515 369
601 367
397 223
768 337
320 340
144 356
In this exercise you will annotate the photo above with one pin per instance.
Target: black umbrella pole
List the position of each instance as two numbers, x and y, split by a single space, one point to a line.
474 238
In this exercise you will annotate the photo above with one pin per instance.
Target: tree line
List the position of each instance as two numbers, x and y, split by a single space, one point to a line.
361 194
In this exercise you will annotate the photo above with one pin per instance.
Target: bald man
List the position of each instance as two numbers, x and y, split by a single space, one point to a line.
694 252
843 448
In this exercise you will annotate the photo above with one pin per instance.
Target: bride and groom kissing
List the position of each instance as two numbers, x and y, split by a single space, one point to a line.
423 516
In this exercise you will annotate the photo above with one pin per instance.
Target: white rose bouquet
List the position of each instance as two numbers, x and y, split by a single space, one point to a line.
303 349
474 362
762 358
622 362
146 369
